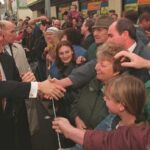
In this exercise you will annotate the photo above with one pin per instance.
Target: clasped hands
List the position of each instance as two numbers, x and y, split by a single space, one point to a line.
49 89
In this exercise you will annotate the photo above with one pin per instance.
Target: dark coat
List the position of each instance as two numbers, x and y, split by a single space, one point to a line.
87 41
89 105
14 89
144 52
13 120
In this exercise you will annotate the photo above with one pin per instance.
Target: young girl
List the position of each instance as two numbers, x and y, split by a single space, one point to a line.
125 96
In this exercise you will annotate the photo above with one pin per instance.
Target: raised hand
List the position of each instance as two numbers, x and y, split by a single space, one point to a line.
135 60
80 60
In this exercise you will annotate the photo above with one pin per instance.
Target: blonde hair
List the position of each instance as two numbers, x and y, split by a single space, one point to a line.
129 91
107 52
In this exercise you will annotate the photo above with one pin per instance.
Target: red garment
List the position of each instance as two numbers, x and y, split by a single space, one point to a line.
74 14
123 138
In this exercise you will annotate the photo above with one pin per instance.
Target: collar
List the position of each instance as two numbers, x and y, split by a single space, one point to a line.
132 47
86 35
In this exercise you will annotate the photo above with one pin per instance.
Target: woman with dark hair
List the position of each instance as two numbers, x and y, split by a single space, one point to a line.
27 41
64 63
65 60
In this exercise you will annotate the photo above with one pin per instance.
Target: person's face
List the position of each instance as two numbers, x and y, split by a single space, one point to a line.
29 30
65 54
72 8
112 105
114 17
146 24
49 36
65 17
57 24
100 35
74 22
10 33
104 70
84 28
114 36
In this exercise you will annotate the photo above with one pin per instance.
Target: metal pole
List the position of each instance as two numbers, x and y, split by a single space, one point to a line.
47 8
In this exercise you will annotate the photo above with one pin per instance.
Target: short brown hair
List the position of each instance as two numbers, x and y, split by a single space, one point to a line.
107 52
124 24
144 16
128 90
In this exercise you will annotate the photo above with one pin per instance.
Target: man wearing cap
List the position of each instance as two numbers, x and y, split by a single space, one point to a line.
100 33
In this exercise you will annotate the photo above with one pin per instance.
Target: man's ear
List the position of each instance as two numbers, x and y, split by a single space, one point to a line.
125 34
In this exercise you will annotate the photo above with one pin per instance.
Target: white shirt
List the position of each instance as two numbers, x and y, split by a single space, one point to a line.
7 48
33 90
132 47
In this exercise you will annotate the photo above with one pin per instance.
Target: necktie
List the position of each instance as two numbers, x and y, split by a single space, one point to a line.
1 100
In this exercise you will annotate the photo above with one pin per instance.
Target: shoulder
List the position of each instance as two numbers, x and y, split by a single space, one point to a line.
142 50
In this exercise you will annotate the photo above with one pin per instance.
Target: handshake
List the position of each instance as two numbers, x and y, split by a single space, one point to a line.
51 89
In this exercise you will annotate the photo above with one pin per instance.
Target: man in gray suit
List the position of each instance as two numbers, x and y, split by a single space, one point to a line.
123 32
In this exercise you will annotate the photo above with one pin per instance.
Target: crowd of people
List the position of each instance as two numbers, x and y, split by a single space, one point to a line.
92 72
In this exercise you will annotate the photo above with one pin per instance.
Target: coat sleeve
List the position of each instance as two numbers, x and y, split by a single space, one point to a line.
14 89
124 138
83 74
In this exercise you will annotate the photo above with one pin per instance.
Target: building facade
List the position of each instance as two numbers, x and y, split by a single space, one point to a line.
57 7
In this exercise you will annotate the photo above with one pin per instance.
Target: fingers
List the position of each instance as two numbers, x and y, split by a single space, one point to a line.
127 64
54 90
80 60
56 124
54 94
122 54
53 80
56 86
28 77
57 92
